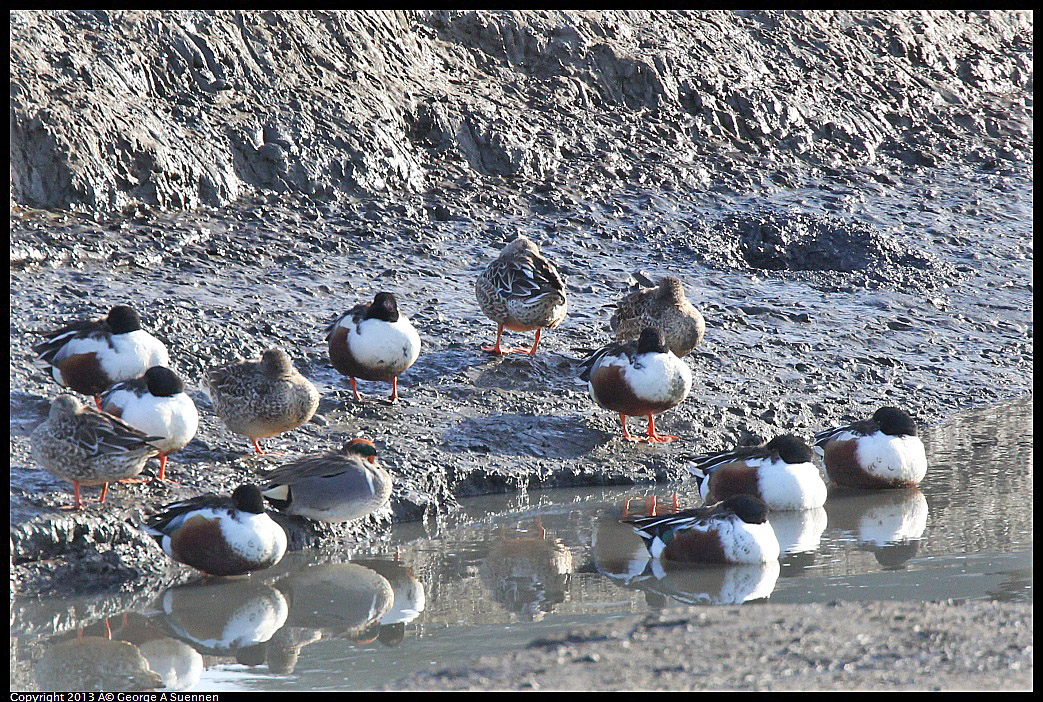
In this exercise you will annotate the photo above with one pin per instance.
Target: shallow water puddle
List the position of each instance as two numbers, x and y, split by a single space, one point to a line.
511 569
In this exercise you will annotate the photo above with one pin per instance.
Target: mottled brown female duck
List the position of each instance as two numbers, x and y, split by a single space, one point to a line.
521 291
262 398
664 307
88 447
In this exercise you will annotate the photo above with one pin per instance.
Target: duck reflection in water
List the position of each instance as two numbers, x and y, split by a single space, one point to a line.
410 598
716 585
342 600
528 575
178 664
94 663
888 523
222 618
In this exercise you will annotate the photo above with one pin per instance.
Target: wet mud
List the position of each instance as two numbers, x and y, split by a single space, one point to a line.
840 263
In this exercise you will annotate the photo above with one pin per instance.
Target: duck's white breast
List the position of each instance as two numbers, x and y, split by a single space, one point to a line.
893 457
374 342
658 377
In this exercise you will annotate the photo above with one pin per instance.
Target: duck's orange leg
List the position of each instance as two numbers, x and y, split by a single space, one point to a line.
163 469
257 447
394 389
97 401
626 433
532 351
104 492
497 349
658 438
355 389
77 502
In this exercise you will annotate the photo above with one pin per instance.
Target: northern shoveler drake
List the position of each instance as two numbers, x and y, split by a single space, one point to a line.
155 403
641 378
219 535
664 307
878 453
88 447
263 398
88 356
521 291
337 486
781 473
373 342
733 531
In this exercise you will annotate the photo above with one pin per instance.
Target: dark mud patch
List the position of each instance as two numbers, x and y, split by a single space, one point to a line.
801 242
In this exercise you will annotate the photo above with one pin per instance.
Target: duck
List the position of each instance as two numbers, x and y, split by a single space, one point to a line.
521 290
528 575
373 342
337 486
664 307
86 446
780 472
262 398
641 378
878 453
219 535
157 404
733 531
87 356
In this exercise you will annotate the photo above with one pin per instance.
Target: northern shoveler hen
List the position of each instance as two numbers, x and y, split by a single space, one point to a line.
878 453
155 403
88 356
373 342
641 378
337 486
521 291
733 531
664 307
88 447
219 535
780 472
264 398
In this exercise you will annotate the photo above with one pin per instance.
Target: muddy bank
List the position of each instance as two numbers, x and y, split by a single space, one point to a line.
838 267
114 109
842 646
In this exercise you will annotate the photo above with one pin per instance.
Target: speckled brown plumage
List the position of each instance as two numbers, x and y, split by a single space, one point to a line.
85 446
664 307
264 398
522 290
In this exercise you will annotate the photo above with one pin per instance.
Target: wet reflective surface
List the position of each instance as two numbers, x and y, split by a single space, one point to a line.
515 568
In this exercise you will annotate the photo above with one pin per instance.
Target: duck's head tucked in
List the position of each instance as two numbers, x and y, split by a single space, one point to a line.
894 422
276 363
384 307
